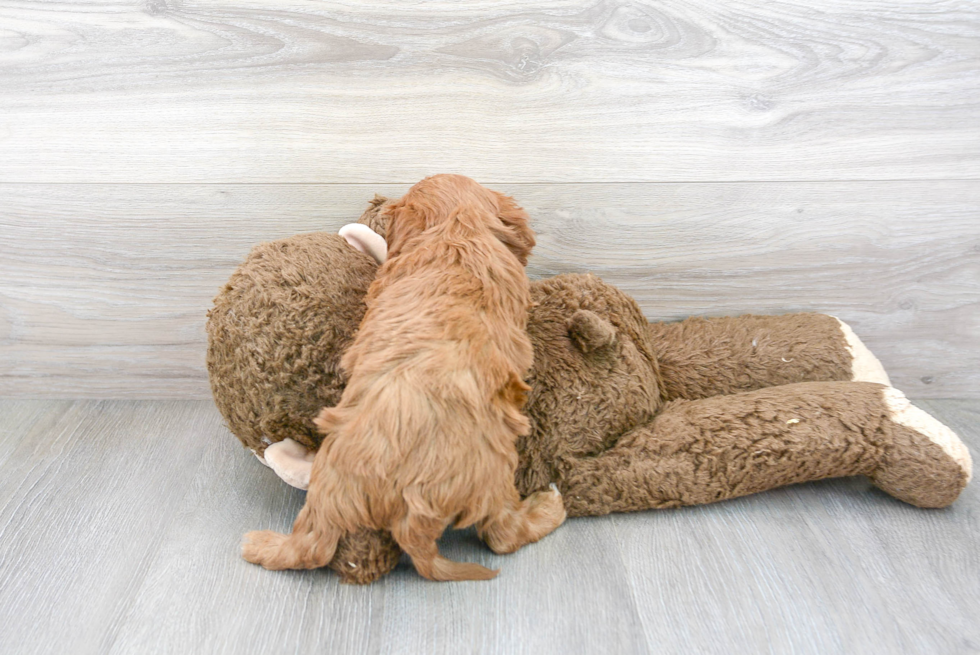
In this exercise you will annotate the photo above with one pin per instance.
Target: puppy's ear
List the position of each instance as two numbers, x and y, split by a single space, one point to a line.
404 222
514 232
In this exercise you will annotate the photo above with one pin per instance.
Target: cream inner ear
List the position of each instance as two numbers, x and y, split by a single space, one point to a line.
366 240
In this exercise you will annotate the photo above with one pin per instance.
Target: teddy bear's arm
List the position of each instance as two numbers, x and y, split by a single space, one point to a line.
292 461
707 450
700 358
365 240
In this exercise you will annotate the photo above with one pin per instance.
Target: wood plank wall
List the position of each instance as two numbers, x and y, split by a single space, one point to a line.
709 157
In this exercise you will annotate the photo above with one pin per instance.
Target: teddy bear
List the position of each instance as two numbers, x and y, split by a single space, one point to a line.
626 414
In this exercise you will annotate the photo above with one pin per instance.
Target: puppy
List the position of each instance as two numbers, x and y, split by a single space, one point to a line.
424 435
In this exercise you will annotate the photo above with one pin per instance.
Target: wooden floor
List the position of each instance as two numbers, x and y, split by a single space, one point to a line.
120 523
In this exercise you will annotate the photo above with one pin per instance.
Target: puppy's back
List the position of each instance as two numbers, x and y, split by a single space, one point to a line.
436 370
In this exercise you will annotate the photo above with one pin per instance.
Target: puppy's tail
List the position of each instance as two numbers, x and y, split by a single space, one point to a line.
418 539
446 569
310 546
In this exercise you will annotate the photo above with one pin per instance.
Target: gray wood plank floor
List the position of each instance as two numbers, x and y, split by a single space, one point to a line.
120 523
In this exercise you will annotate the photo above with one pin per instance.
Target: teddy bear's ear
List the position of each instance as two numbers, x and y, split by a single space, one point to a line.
590 332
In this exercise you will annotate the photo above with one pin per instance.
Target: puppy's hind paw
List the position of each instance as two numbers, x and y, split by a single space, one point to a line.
546 509
263 547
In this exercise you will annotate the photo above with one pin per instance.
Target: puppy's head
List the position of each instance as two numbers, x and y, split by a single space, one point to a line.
435 200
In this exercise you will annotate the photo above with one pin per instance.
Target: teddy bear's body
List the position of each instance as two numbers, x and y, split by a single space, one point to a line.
626 414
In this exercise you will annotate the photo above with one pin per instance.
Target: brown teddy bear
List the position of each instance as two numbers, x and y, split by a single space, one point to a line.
626 414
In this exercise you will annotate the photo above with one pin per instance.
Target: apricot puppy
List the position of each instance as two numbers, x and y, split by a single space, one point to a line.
424 435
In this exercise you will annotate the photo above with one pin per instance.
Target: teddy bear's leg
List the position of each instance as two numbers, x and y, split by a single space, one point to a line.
361 557
865 367
700 358
702 451
927 465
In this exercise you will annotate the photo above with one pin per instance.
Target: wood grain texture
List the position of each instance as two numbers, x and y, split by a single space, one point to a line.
21 418
232 606
383 92
828 567
120 523
104 288
85 496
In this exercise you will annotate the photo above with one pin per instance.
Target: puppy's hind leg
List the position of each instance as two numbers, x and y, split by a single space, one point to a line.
417 536
522 522
308 547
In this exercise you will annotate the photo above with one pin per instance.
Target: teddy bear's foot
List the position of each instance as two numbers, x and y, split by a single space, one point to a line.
291 461
865 367
927 465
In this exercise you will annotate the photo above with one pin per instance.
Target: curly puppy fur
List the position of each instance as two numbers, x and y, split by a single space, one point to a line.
424 434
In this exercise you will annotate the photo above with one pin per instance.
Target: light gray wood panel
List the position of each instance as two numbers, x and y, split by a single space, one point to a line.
249 91
20 418
899 262
534 606
85 501
230 606
828 567
104 288
110 543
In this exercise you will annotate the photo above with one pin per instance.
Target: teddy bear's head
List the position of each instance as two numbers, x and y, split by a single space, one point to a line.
594 377
278 329
280 325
